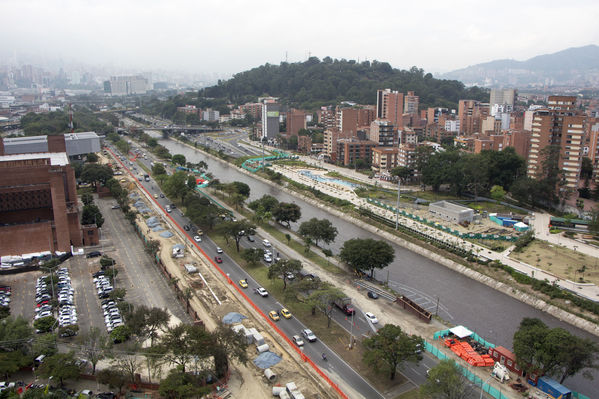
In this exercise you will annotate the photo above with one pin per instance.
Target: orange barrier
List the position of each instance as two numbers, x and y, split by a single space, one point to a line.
242 293
465 351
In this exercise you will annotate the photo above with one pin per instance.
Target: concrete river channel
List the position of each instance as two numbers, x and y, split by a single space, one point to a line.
491 314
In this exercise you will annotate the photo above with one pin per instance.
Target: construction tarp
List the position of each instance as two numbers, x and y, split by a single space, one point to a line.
461 331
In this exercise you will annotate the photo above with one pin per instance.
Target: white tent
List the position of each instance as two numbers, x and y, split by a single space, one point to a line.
461 331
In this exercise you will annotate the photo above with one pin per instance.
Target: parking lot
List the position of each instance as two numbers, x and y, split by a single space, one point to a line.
143 281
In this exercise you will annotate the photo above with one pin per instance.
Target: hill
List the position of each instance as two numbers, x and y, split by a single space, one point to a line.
314 83
576 66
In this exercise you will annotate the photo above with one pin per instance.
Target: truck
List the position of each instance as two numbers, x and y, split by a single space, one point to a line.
344 304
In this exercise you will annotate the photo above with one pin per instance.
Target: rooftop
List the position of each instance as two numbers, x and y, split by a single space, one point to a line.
56 158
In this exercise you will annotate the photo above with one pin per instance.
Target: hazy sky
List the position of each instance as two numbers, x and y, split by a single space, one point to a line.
228 36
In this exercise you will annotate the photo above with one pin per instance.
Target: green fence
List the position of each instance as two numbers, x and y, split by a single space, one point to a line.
254 164
438 226
475 336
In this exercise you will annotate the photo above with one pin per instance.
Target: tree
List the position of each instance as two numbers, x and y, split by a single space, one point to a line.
179 159
318 229
252 256
181 385
87 198
497 193
120 334
389 348
286 213
474 171
182 343
91 215
236 230
158 169
91 157
237 200
366 254
284 268
241 188
93 346
176 185
229 344
445 380
267 203
556 352
60 366
147 323
403 173
112 377
45 324
323 299
191 182
93 173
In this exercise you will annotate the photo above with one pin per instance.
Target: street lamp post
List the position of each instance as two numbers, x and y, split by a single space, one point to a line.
397 207
482 384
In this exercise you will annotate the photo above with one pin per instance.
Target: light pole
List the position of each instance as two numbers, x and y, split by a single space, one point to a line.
397 207
351 332
482 384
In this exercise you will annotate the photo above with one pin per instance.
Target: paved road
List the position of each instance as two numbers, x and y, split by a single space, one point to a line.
338 370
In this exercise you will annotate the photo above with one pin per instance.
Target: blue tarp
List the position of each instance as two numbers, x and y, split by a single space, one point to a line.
157 228
233 317
266 360
152 222
166 234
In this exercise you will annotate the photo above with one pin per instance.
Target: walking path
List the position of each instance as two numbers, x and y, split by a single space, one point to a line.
541 221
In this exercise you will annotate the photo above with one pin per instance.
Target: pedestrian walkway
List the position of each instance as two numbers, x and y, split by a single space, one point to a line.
586 290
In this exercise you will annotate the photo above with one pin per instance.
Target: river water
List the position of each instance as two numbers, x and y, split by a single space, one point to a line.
490 313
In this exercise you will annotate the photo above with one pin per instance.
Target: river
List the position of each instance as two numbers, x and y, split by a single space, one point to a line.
490 313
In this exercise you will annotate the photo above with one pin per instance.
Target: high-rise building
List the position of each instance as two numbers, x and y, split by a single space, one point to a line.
390 106
383 133
296 120
558 125
270 118
503 97
126 85
470 114
411 103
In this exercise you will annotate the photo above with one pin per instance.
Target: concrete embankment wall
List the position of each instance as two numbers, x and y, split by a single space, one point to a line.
473 274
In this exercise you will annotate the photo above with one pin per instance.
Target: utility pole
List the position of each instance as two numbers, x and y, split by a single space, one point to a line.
397 207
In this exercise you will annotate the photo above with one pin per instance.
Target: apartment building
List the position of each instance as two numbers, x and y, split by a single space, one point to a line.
470 115
349 150
296 120
411 103
390 106
384 133
558 125
384 159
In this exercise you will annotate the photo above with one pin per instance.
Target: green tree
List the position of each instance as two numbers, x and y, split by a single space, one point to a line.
267 202
181 385
179 159
241 188
497 193
183 343
87 198
228 344
91 215
176 185
120 334
445 380
323 299
366 254
286 213
91 157
318 229
93 346
252 256
158 169
45 324
283 269
112 377
191 182
389 348
61 366
236 230
94 173
148 323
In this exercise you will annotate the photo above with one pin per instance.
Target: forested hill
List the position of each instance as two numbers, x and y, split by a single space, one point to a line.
314 83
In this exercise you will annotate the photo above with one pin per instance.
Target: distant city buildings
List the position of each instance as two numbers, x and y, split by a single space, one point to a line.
126 85
270 118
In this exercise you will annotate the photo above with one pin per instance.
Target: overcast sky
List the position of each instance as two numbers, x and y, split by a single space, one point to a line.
228 36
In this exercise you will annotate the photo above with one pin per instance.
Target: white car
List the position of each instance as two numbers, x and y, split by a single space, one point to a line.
219 250
298 340
371 317
267 259
262 292
309 335
266 243
197 238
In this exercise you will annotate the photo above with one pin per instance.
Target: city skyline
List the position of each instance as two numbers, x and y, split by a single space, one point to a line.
226 38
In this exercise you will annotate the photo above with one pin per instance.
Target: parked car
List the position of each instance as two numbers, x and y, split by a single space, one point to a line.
266 243
93 254
371 317
373 295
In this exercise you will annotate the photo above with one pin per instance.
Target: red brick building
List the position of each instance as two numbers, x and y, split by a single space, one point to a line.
38 201
296 120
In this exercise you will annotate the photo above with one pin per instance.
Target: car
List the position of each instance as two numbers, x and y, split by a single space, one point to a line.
373 295
156 196
197 238
115 207
309 335
371 317
219 250
161 195
186 227
251 239
286 313
298 340
273 315
218 259
261 291
243 283
167 209
267 258
93 254
266 243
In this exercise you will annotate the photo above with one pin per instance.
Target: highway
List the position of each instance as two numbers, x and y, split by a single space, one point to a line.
338 370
